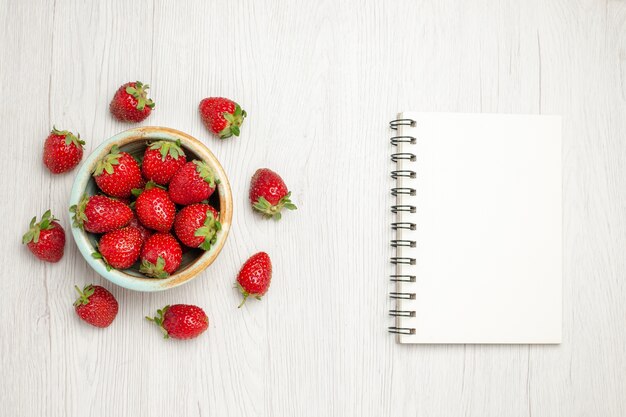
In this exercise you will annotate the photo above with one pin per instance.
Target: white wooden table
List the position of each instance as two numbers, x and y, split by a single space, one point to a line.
320 80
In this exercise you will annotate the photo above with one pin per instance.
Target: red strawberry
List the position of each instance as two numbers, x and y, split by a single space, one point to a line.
100 214
221 116
154 208
120 248
269 194
181 321
46 239
194 182
161 161
145 232
197 226
160 256
255 276
62 151
96 305
117 174
131 103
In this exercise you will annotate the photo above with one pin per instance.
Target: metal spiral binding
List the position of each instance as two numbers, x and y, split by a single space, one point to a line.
402 139
401 330
401 122
402 313
395 157
403 225
403 207
402 261
405 173
402 278
402 295
399 208
395 243
402 190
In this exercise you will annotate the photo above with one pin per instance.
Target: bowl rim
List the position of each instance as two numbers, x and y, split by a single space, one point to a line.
226 208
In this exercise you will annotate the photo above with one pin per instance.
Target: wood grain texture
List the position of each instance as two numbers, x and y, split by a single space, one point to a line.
320 80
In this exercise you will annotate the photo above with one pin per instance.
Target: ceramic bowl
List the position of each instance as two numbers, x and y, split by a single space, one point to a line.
194 261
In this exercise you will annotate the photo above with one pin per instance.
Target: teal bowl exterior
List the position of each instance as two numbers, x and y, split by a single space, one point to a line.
195 261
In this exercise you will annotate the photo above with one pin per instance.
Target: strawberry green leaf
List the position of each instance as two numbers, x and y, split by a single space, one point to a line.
79 217
98 255
151 184
28 237
274 211
139 93
229 117
106 163
83 296
208 231
34 228
152 270
234 121
174 149
70 138
206 173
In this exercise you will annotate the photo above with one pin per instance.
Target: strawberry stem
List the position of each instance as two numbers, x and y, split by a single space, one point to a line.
83 296
158 320
245 297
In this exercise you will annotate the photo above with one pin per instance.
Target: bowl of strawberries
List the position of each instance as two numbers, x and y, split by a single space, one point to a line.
151 208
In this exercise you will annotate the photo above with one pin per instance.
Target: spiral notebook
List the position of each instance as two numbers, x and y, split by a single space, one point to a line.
477 228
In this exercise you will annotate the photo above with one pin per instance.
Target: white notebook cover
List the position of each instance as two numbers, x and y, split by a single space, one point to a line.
488 255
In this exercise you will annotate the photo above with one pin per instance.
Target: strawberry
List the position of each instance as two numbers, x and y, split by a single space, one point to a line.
161 161
197 226
269 194
117 174
192 183
120 248
145 232
181 321
221 116
154 208
255 276
131 103
62 150
46 239
160 256
96 305
100 214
